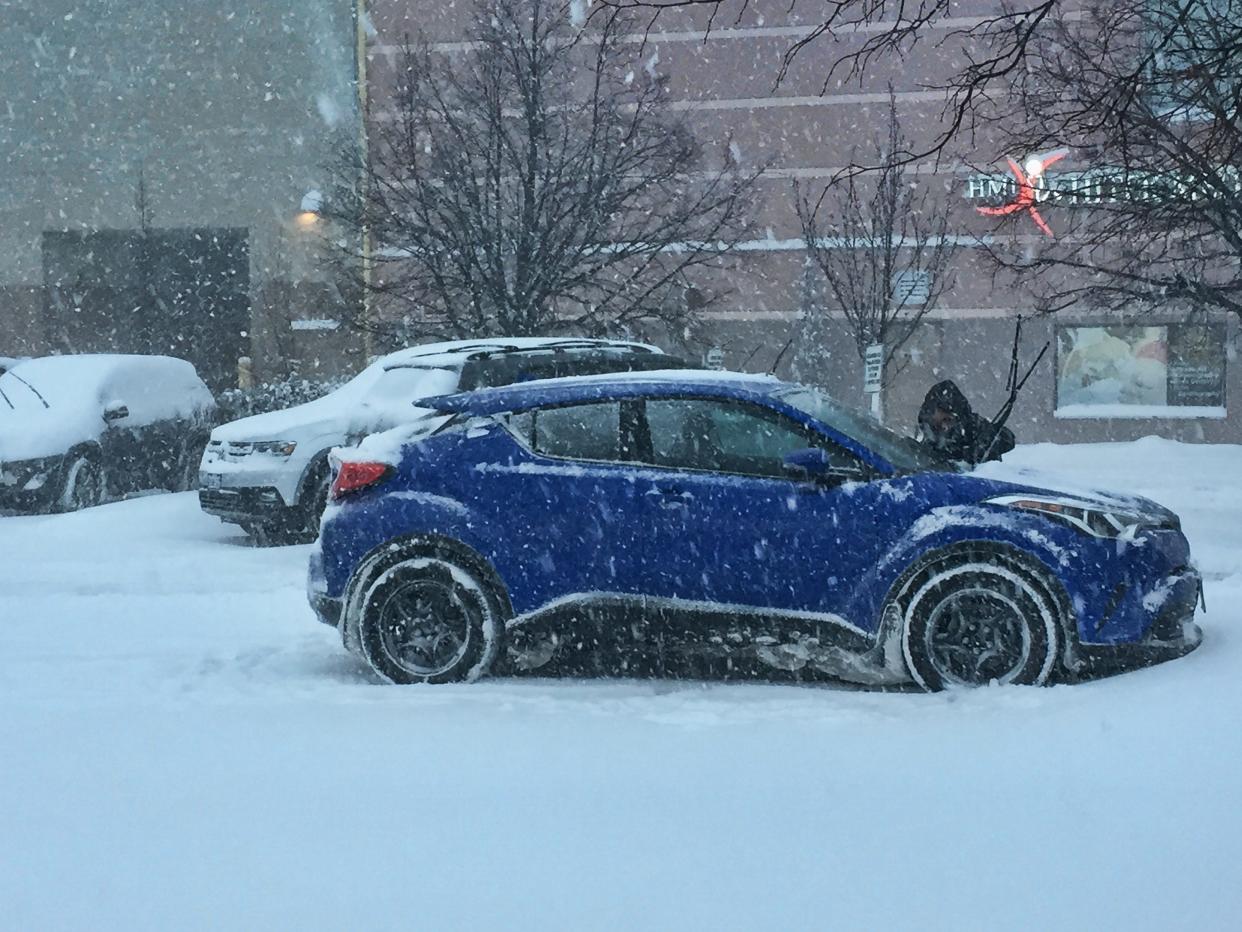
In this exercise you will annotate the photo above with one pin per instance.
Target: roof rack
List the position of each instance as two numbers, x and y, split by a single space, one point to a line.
486 349
560 346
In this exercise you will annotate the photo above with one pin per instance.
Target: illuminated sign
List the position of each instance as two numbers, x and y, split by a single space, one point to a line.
1029 185
1026 177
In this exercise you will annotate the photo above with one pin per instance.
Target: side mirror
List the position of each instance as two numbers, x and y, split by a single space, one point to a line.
813 464
115 411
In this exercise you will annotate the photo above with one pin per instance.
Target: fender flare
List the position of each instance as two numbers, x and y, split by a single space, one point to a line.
383 556
311 472
1011 557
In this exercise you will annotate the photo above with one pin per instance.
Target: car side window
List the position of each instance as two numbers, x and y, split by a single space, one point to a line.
722 436
581 432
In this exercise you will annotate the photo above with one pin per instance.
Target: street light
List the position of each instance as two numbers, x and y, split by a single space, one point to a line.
312 203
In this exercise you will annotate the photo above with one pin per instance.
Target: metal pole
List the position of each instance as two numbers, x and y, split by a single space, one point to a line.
360 53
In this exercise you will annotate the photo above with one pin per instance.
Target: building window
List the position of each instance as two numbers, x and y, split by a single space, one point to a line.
1170 370
1194 71
911 288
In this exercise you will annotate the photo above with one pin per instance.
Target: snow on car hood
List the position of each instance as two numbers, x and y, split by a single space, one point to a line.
1039 481
30 435
378 398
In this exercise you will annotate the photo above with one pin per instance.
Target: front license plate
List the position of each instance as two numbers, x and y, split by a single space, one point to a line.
209 480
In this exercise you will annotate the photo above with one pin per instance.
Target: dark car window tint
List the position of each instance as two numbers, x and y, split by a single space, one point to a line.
523 367
586 432
904 453
690 433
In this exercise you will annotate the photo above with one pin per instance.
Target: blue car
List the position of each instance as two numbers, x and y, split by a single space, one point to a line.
682 522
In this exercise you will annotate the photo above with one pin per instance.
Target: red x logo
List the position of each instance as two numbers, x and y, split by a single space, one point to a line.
1027 177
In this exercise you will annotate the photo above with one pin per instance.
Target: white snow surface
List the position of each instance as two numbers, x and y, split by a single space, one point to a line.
185 747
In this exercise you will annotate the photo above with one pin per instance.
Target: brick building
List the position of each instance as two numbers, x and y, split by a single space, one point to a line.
1105 377
222 119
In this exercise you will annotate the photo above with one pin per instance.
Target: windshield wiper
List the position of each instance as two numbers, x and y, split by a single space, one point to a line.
6 399
29 386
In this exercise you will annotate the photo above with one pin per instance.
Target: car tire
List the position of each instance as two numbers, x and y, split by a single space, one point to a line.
84 486
315 500
273 533
429 619
974 620
185 478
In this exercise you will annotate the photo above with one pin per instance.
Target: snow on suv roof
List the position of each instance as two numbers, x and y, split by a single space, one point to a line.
456 351
594 387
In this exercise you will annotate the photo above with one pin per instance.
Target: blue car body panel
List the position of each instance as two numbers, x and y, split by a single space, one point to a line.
556 530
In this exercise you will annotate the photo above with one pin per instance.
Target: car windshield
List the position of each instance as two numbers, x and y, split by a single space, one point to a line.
400 386
24 391
904 453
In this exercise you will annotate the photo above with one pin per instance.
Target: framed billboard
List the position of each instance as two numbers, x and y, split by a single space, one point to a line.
1166 370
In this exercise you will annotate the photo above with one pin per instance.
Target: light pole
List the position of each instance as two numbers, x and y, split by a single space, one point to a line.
360 54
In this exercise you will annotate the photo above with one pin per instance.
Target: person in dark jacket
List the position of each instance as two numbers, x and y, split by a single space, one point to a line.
950 426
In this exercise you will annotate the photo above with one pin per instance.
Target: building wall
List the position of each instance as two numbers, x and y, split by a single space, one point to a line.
723 81
226 114
222 114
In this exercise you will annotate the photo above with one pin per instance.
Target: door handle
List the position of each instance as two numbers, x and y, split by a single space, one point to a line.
670 498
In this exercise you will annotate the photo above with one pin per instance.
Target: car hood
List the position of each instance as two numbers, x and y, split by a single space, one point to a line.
29 435
297 423
993 479
324 417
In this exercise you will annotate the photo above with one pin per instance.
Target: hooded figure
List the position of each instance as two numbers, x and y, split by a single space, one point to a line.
949 425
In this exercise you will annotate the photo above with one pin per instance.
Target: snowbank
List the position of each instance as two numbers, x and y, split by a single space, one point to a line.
185 747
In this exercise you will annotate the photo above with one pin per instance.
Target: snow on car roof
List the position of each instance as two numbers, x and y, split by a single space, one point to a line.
457 351
71 377
385 384
610 385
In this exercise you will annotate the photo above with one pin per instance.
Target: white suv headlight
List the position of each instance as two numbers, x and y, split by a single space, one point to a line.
275 447
1088 517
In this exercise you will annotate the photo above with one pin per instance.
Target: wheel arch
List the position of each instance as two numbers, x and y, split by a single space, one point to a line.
1033 568
89 448
315 467
388 554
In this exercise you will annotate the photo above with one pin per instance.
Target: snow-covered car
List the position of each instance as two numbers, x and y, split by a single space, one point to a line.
689 522
78 430
8 362
269 472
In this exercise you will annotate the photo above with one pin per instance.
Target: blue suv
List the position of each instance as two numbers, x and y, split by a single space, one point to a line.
683 521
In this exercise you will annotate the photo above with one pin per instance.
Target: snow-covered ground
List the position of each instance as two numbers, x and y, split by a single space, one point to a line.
182 746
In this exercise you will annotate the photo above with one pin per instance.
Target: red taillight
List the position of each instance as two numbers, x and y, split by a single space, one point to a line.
352 477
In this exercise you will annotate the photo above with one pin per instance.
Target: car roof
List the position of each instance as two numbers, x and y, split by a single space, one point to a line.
612 386
456 352
92 368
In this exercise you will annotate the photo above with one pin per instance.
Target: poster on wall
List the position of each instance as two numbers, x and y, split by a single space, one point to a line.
1166 366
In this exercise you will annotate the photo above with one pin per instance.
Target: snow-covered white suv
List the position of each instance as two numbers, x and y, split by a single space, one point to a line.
270 474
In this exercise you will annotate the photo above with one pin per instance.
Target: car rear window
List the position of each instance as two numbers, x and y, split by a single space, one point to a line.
508 369
586 432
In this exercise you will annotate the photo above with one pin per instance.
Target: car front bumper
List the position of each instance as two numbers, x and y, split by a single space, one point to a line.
1173 632
244 506
30 485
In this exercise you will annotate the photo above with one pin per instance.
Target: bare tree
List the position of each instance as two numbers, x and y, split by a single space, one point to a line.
993 47
884 253
534 182
1150 93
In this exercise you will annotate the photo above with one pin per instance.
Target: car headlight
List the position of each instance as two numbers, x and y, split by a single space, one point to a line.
29 475
1090 518
275 447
